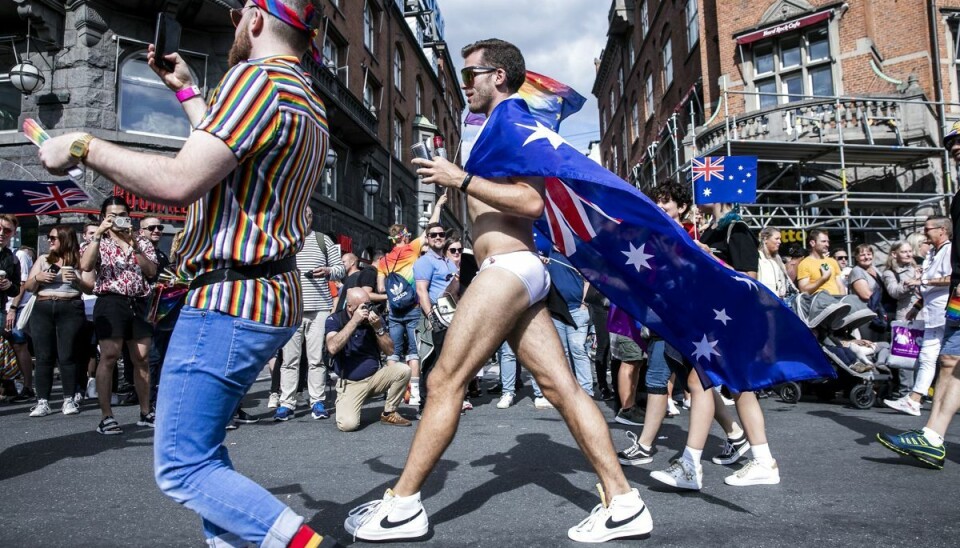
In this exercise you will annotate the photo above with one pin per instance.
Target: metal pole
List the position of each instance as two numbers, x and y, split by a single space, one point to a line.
726 114
843 182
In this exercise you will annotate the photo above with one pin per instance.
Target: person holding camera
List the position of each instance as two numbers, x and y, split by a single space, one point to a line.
123 261
356 336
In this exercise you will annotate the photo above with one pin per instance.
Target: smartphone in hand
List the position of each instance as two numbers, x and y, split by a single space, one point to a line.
166 39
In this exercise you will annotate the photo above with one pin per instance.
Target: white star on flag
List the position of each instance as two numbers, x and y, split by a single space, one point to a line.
729 177
739 191
637 257
541 131
722 316
705 349
707 192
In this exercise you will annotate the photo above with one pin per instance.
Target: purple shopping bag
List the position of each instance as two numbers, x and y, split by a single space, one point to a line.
905 339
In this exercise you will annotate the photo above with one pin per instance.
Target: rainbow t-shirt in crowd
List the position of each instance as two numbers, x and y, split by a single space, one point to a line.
400 260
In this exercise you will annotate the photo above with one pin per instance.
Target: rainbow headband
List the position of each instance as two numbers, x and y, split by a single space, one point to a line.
283 12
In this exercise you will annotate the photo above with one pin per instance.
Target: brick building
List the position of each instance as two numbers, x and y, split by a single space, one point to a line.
842 103
386 79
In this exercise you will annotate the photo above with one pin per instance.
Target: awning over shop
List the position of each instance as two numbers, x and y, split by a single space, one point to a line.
781 28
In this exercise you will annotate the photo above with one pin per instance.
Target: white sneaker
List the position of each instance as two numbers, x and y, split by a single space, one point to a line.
686 403
680 475
672 410
726 401
542 403
904 405
70 407
415 399
506 400
273 401
754 473
626 516
42 409
92 389
393 518
78 398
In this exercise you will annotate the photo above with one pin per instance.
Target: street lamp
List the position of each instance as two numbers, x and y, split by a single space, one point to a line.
26 77
422 221
371 186
331 161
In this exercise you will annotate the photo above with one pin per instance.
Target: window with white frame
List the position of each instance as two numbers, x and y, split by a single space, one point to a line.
667 56
648 95
624 137
616 164
693 23
369 34
620 82
644 19
371 94
398 209
613 99
398 136
418 102
328 182
635 117
633 51
791 67
145 103
398 69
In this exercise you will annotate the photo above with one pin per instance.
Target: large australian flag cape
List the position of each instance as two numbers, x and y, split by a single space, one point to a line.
733 329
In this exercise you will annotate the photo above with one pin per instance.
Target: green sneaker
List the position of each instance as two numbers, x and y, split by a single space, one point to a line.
914 444
632 416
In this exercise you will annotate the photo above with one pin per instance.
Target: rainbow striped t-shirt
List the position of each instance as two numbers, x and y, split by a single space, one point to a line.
266 111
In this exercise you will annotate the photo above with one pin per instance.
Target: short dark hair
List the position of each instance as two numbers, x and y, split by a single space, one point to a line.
503 55
432 226
673 191
112 201
814 234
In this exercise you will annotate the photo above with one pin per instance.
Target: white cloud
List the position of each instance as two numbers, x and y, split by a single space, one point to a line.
559 38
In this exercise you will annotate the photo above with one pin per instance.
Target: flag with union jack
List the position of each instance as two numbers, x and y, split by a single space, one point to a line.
724 179
734 330
39 197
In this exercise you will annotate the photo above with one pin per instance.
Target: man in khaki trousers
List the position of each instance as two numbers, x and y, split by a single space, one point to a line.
356 336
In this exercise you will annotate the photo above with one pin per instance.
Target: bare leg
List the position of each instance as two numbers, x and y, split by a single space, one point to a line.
109 354
701 412
139 353
627 379
653 418
538 347
748 407
946 398
25 362
723 417
414 368
470 340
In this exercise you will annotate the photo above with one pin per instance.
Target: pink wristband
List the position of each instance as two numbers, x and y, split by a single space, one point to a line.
188 93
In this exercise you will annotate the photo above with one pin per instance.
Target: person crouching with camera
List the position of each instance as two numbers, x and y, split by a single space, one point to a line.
356 337
122 261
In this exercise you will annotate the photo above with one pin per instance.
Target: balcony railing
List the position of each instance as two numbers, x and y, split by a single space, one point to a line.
333 88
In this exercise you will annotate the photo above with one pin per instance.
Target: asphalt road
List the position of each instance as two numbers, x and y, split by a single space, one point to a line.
512 477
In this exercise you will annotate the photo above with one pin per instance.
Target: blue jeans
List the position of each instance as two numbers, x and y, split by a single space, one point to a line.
508 369
574 340
211 362
658 372
400 326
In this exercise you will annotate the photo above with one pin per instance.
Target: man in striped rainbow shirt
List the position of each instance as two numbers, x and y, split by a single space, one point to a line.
247 173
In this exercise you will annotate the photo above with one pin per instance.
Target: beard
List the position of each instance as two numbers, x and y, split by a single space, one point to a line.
240 50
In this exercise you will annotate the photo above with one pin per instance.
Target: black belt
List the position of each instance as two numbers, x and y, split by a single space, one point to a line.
245 272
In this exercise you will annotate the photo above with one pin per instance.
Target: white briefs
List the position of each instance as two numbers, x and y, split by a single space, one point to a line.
527 266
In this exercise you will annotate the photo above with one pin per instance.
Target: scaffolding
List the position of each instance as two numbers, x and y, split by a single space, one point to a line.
807 151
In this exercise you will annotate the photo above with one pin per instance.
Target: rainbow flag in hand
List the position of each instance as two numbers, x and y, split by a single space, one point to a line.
549 101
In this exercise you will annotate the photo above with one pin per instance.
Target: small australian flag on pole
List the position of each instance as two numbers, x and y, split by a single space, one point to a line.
725 179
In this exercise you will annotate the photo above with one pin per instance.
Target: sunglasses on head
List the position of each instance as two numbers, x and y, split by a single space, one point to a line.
469 73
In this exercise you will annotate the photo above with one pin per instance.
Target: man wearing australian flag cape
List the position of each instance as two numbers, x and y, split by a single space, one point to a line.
504 301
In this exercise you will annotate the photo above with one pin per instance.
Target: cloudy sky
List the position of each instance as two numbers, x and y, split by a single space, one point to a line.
558 38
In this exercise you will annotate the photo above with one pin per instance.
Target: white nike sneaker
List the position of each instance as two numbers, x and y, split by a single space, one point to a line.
626 516
392 518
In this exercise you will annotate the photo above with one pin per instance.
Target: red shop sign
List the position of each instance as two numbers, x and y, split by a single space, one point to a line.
782 28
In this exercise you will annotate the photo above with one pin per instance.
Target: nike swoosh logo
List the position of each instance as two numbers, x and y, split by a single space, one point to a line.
613 524
387 524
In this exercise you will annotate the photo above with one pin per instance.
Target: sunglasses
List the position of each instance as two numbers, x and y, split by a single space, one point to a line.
437 234
841 257
153 228
455 250
236 15
469 73
52 238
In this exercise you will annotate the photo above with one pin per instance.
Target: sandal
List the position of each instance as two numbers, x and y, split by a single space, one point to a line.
109 427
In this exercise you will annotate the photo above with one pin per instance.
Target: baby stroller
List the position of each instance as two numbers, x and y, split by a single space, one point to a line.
829 318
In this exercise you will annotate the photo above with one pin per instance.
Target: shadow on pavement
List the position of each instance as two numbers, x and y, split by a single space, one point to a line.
37 455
